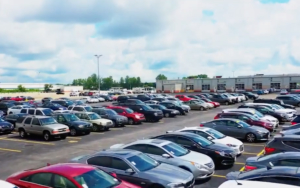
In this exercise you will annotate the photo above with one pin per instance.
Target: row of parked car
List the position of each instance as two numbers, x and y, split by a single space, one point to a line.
192 152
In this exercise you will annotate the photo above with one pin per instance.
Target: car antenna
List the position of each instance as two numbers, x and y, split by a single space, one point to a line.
238 183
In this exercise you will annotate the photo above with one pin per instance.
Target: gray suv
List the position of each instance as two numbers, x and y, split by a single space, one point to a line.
289 99
41 125
139 169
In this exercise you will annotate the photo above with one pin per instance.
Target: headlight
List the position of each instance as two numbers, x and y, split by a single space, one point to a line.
222 153
231 145
155 114
197 165
175 185
259 132
137 117
80 126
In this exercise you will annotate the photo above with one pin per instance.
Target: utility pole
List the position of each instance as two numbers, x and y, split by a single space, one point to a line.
98 56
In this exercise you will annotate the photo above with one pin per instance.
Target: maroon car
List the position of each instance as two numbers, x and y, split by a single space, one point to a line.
251 120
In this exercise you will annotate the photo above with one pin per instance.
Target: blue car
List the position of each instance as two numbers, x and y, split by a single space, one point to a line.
6 127
54 106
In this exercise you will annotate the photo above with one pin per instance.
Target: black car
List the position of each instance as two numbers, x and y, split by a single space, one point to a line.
250 95
167 112
6 127
77 126
144 97
277 159
173 106
46 99
4 106
117 119
159 99
266 111
220 154
150 114
130 102
277 174
100 111
283 143
122 98
106 97
221 99
12 118
274 101
65 103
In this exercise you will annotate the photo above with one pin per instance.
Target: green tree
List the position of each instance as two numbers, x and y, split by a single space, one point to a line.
161 77
48 87
122 82
21 88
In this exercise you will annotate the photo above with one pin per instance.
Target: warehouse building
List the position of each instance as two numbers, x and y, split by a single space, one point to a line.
240 83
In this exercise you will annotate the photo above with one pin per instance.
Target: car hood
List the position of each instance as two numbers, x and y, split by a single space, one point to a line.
136 113
220 147
100 120
228 140
165 172
285 111
196 157
4 123
57 126
267 117
233 175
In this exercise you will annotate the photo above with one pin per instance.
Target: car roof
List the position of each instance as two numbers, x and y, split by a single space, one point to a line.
190 135
195 128
157 142
289 154
71 169
276 170
238 113
39 117
239 109
231 119
122 153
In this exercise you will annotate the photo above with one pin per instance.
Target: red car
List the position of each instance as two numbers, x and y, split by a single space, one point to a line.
251 120
67 175
183 98
216 104
16 98
133 117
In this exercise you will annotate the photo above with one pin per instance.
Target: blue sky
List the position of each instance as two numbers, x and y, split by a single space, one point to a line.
55 41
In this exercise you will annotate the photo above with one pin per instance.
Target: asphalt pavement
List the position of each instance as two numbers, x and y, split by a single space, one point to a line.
21 154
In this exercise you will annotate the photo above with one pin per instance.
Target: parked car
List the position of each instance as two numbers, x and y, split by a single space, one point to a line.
118 120
144 97
166 112
277 159
151 115
174 106
215 104
234 99
5 126
46 99
251 95
12 118
4 106
42 126
81 108
238 129
76 126
37 111
106 98
220 154
296 120
171 153
277 174
151 102
215 136
195 105
221 99
138 168
54 106
98 98
16 109
287 99
133 117
240 96
281 143
59 176
183 97
92 100
274 101
251 184
284 92
185 107
63 102
99 124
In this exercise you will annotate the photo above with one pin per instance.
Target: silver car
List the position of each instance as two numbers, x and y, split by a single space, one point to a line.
202 166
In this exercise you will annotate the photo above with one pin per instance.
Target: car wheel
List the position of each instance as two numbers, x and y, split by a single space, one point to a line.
95 128
226 103
250 137
167 115
73 132
130 121
201 108
46 136
22 133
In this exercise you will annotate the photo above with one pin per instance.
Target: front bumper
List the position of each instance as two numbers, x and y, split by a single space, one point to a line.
85 129
239 149
263 136
139 120
6 130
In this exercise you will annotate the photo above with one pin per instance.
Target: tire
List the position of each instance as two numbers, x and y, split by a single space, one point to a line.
95 128
183 113
167 115
201 108
47 136
73 132
250 137
63 137
130 121
114 123
226 103
22 133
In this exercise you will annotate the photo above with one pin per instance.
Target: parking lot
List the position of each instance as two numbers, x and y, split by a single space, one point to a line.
20 154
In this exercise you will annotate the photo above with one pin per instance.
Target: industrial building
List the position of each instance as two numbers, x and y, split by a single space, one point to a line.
240 83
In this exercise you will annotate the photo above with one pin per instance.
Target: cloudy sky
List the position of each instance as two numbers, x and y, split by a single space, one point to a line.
55 41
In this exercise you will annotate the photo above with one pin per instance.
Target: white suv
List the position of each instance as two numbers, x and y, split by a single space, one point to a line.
80 108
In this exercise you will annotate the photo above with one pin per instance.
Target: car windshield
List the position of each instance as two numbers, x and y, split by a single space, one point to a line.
97 178
129 111
202 141
207 100
244 124
215 133
79 102
69 103
48 112
146 107
161 107
56 105
94 116
71 117
143 162
277 106
258 114
47 121
111 112
176 149
88 108
177 103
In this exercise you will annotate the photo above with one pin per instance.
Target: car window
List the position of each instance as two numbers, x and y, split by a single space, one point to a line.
31 111
203 134
70 107
175 149
184 141
288 162
281 180
23 111
294 144
28 120
155 150
118 110
62 182
39 113
40 178
138 147
78 108
169 138
221 122
232 124
119 164
100 161
35 121
60 119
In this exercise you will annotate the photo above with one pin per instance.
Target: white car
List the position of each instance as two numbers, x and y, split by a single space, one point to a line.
252 184
240 96
257 114
232 98
74 93
216 136
16 109
284 92
266 91
5 184
100 99
92 100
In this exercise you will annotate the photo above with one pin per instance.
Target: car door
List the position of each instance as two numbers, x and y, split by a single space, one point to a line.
36 127
220 126
37 180
59 181
191 145
27 125
234 129
287 162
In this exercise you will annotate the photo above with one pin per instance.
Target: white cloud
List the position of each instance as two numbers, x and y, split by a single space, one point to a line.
235 38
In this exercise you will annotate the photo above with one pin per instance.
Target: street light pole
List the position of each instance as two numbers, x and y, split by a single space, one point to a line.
98 56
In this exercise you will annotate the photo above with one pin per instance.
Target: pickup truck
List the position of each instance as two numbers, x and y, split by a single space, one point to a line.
42 126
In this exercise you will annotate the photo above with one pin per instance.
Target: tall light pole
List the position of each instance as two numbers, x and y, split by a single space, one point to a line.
98 56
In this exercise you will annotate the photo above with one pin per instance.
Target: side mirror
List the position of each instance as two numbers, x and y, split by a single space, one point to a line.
166 155
210 138
129 171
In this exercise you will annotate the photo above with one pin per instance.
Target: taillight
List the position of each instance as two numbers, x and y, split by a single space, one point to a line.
216 117
269 150
248 168
201 125
293 123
